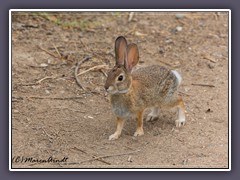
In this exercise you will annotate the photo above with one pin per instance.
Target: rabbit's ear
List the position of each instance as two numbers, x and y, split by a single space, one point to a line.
120 50
132 56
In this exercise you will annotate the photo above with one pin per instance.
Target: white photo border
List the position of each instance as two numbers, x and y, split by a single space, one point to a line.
119 169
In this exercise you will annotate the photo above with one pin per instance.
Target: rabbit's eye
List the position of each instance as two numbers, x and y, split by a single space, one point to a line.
120 78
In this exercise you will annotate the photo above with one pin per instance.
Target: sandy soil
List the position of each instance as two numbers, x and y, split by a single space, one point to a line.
53 117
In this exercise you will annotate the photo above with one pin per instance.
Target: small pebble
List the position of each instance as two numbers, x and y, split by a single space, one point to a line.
168 41
179 28
47 91
185 161
130 159
15 111
210 65
49 61
179 16
217 54
43 65
49 33
187 89
35 87
161 51
139 34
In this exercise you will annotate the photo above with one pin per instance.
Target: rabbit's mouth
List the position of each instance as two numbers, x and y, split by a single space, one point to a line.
118 92
115 91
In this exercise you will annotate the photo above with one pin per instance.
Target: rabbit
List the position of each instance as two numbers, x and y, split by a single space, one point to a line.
132 91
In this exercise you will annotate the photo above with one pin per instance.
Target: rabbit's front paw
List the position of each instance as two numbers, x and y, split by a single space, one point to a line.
113 137
180 122
139 132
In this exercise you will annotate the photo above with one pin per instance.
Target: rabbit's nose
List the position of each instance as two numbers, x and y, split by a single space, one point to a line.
109 88
106 87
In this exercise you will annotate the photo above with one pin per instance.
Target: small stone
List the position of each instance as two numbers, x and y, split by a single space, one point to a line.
179 28
49 33
179 16
208 110
130 159
185 161
161 51
98 89
47 91
35 87
43 65
90 117
210 65
15 111
176 63
187 89
49 61
169 41
218 55
139 34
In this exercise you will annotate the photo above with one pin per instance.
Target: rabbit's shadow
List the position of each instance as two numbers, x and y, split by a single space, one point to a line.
165 122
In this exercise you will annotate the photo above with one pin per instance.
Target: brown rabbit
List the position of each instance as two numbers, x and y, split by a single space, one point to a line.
132 91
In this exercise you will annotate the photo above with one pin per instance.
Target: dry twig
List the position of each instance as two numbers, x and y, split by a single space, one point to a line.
76 71
75 148
100 157
98 67
132 30
54 98
168 64
16 99
36 66
131 14
48 135
70 109
38 82
83 44
57 51
51 54
209 58
105 74
199 84
215 16
27 84
47 77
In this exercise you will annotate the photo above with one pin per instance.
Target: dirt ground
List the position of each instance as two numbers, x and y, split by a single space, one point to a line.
53 117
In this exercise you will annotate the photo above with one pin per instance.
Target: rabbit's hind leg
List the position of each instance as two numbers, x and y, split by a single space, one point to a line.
181 113
154 114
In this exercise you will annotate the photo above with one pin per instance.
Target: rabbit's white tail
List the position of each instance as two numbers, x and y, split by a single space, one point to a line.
178 76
